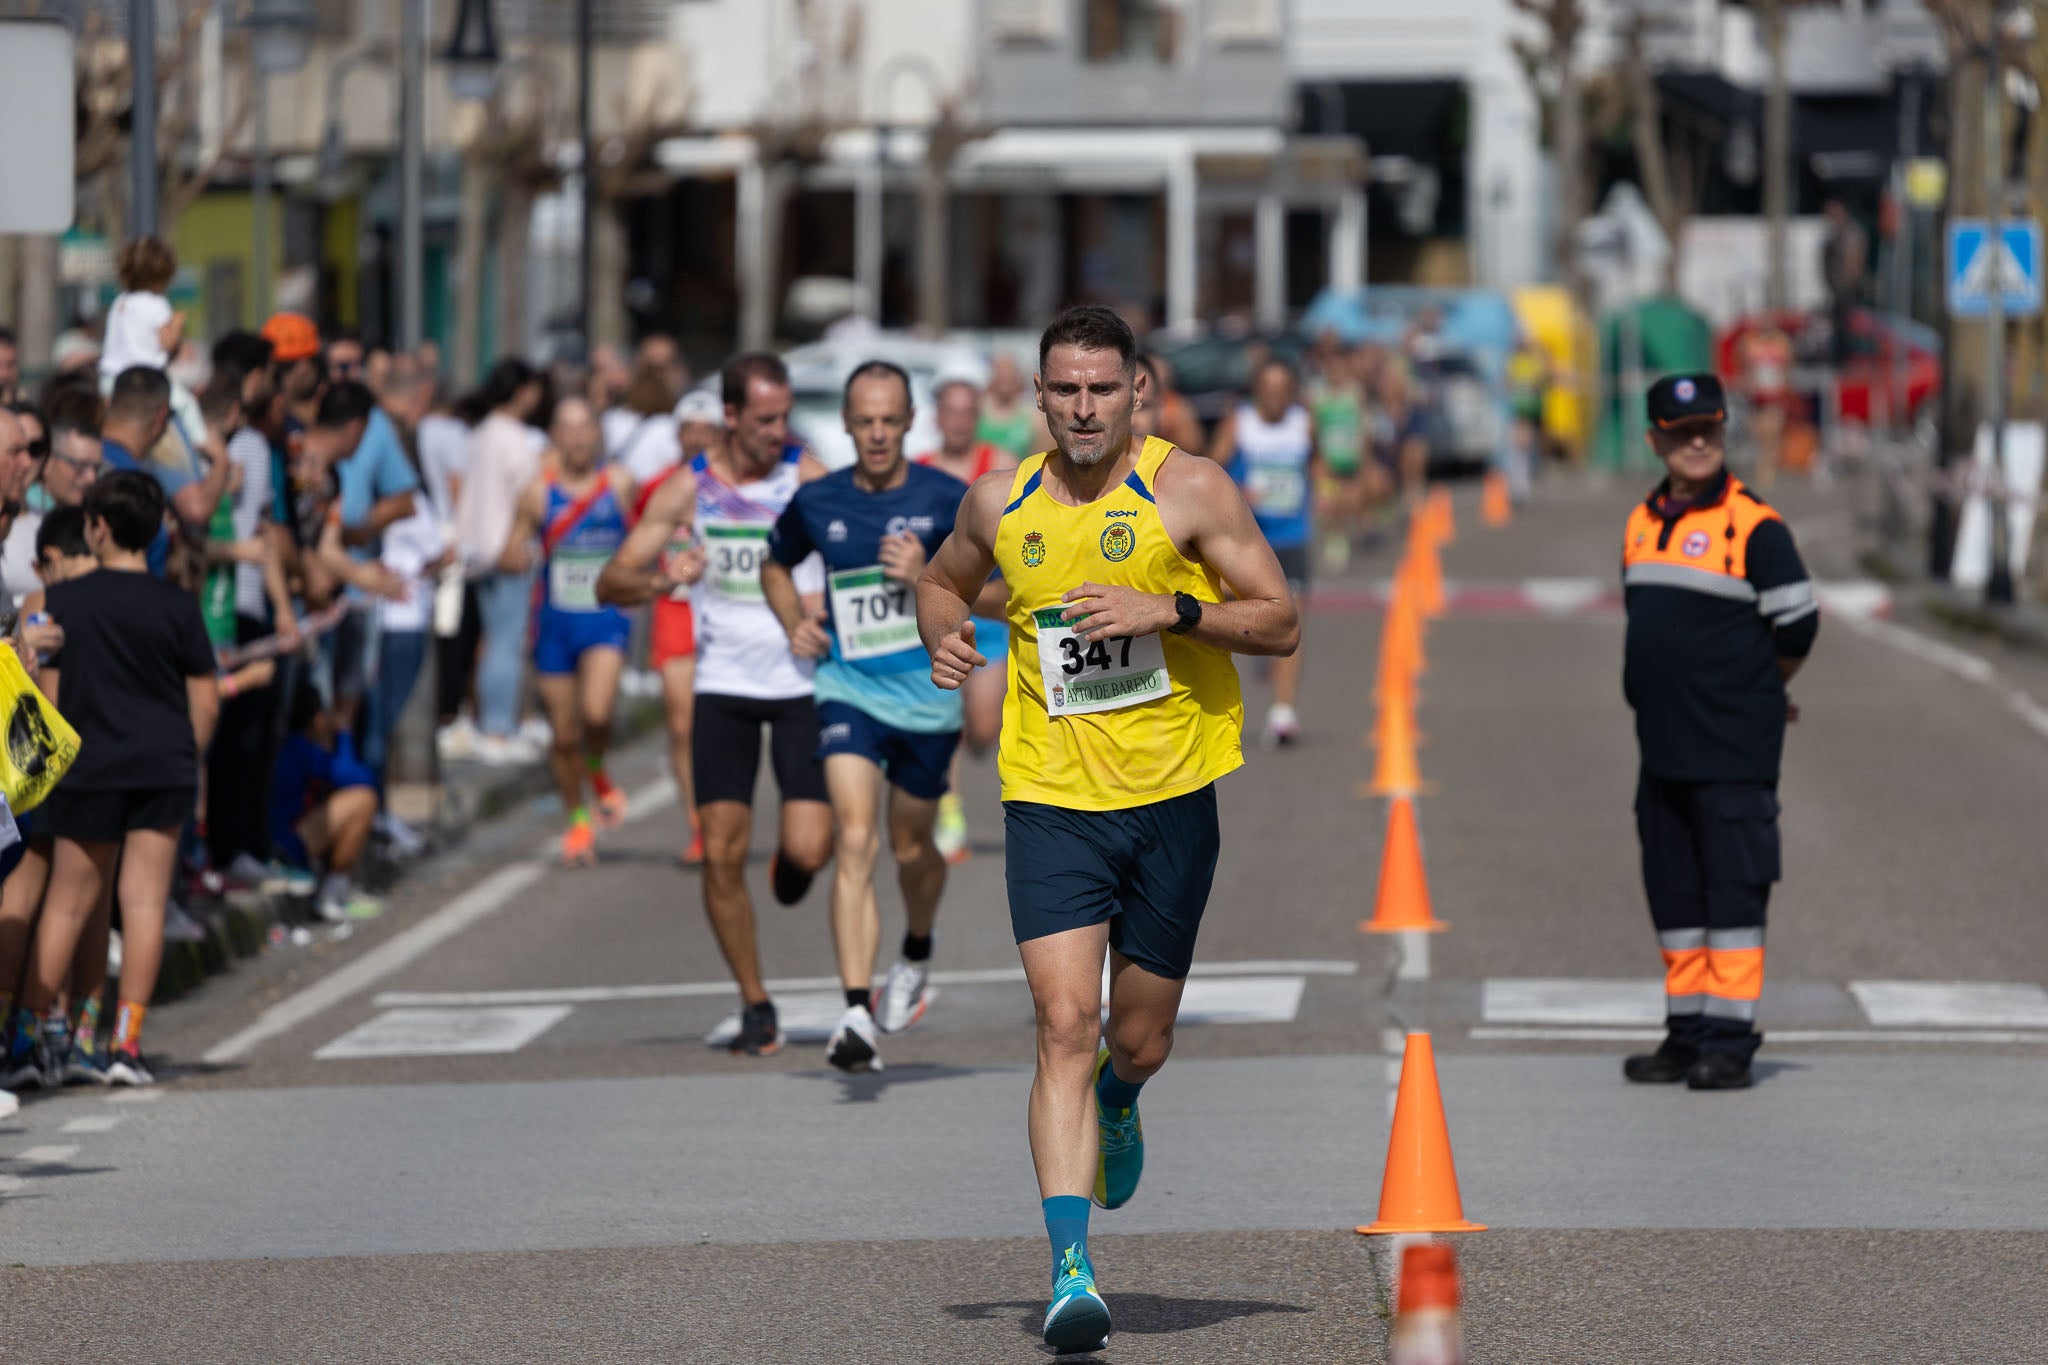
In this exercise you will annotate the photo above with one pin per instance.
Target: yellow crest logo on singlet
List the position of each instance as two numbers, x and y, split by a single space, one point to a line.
1117 542
1034 549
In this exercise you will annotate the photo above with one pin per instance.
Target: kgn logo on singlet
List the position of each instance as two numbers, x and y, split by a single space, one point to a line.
1034 549
1118 540
1695 545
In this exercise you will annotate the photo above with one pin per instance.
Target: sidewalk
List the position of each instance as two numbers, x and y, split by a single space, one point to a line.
241 924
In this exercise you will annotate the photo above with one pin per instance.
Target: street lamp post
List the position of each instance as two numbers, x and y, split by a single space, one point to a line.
280 33
412 245
1998 585
142 168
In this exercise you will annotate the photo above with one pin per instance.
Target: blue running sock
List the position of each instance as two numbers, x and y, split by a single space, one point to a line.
1066 1222
1113 1092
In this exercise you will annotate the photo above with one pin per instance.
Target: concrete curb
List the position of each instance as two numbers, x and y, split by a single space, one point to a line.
2022 626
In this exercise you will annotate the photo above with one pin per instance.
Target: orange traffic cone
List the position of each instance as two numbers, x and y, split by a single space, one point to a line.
1403 900
1394 682
1443 526
1426 576
1395 722
1496 508
1427 1330
1404 627
1420 1190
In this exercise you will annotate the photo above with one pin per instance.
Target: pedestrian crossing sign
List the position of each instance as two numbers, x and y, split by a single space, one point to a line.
1978 267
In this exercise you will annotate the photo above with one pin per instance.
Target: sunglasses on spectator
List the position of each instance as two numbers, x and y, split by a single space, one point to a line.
39 447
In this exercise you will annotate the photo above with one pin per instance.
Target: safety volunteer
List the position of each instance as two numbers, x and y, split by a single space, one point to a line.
1721 615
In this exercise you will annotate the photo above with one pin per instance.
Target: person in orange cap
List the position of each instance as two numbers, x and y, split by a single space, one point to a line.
1721 614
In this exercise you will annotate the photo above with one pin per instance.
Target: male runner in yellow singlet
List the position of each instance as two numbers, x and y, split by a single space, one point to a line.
1123 710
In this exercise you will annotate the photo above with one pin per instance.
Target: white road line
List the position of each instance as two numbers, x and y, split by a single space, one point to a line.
53 1155
135 1097
444 1033
1548 1000
1975 667
94 1123
1484 1034
1953 1004
9 1184
683 990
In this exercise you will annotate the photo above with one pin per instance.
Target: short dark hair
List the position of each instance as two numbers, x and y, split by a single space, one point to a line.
1092 328
344 403
222 394
336 335
743 369
876 369
130 505
7 336
1275 362
75 406
306 708
146 264
63 530
139 392
506 379
246 351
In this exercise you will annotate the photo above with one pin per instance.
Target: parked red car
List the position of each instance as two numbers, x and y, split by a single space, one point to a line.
1869 379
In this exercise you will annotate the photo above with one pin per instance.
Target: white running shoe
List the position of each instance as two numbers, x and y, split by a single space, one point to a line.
1283 727
9 1105
457 739
505 751
901 1000
852 1047
405 841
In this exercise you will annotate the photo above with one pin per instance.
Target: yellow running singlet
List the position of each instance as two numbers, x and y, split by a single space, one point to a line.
1116 723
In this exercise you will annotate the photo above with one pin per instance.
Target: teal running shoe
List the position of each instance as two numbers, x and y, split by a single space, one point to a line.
1120 1156
1078 1319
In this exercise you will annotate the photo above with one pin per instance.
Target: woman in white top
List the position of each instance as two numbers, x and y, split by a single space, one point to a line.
641 432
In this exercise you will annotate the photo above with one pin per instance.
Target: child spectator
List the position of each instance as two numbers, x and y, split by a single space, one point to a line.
135 678
323 802
142 329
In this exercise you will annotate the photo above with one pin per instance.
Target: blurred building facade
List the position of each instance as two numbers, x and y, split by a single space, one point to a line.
767 166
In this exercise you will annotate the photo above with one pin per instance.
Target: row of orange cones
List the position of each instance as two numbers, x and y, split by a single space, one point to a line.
1419 1193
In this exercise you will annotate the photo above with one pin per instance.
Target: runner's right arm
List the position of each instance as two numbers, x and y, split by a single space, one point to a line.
803 621
635 573
956 577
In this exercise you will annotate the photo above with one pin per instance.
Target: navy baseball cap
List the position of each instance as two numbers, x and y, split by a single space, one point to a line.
1687 398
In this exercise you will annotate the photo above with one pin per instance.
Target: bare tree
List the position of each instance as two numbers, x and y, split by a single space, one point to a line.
949 132
627 169
819 99
1966 28
1671 155
1550 61
511 151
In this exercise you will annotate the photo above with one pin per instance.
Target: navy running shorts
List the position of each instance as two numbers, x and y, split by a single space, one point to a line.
1146 870
918 765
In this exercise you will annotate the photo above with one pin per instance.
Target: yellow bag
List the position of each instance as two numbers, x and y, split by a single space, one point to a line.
41 745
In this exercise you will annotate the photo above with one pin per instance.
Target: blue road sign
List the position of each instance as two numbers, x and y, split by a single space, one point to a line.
1977 266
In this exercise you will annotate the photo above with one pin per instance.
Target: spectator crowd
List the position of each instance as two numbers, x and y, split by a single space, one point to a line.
226 568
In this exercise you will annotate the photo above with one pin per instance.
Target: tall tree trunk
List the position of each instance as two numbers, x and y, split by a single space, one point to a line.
515 232
38 301
1777 154
761 258
934 199
1965 355
471 243
1568 131
608 266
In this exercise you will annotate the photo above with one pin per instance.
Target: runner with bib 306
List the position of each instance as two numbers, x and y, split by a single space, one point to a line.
1122 712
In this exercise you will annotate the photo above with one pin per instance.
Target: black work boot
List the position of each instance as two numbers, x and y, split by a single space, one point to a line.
1719 1071
1668 1065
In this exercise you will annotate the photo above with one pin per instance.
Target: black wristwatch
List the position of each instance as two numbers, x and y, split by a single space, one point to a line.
1190 609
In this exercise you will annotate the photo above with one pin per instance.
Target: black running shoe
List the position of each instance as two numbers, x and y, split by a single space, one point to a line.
125 1066
1666 1066
759 1034
788 881
1719 1071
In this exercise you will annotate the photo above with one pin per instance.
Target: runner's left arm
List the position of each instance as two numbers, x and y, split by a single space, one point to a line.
1202 510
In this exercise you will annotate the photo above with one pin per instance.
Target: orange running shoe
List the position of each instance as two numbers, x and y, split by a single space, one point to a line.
579 845
693 856
611 802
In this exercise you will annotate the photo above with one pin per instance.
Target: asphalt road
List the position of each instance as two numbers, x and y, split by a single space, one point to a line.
488 1127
